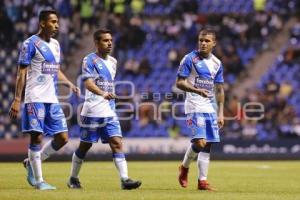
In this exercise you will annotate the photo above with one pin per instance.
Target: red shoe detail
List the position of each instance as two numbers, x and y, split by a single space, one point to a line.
204 185
183 176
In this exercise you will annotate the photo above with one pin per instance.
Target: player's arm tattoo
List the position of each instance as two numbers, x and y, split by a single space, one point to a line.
20 82
220 97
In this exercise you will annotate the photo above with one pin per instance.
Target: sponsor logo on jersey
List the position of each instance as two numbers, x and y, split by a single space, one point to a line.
104 85
49 68
204 83
41 79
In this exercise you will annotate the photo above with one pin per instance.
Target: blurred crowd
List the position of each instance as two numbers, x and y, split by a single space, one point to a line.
151 37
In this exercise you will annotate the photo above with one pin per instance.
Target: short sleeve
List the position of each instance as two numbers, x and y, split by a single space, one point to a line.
219 76
27 52
185 67
87 69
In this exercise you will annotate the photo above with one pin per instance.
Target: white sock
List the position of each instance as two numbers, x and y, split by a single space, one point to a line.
76 165
47 151
189 156
203 163
121 165
36 165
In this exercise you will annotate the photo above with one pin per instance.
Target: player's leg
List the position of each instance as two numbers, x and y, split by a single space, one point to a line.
34 155
191 153
52 146
33 123
56 126
115 143
195 147
88 136
212 136
203 166
77 160
34 167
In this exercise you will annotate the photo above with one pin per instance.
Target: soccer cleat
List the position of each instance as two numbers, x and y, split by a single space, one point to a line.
74 183
44 186
183 176
30 177
129 184
204 185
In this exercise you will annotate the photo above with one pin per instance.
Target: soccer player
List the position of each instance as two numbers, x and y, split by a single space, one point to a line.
200 74
39 67
99 119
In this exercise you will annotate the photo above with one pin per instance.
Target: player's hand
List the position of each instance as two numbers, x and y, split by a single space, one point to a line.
109 96
220 122
14 109
76 90
204 93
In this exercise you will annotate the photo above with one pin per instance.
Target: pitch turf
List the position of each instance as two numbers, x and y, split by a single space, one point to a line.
243 180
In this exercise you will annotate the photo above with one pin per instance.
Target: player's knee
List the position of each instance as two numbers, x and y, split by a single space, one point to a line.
36 138
84 147
63 141
60 140
200 144
116 144
207 148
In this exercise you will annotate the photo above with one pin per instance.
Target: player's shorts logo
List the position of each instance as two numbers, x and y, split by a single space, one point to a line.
200 122
189 122
64 122
41 113
84 134
33 122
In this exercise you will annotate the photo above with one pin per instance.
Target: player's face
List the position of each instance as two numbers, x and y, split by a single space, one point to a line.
105 44
206 43
51 25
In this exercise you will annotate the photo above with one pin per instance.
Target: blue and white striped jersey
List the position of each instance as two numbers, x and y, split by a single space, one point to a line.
202 73
103 74
43 61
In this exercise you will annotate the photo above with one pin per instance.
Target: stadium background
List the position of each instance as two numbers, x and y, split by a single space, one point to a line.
258 43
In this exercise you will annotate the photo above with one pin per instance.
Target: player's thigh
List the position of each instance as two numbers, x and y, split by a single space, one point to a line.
196 123
203 126
212 129
33 118
112 129
55 121
89 129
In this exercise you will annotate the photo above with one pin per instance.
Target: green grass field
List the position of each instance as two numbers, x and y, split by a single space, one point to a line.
245 180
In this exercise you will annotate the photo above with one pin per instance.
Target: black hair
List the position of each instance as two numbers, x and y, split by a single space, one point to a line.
208 31
44 14
99 32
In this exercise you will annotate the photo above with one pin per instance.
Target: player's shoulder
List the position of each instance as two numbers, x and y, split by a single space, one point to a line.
216 60
89 56
189 56
28 40
112 59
